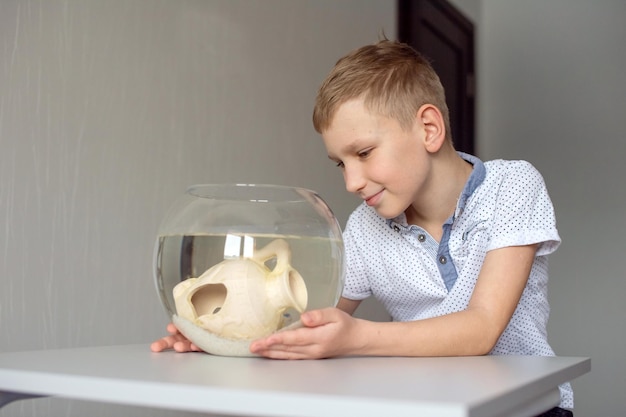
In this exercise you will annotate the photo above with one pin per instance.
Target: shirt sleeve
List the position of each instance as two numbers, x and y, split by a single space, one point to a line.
524 213
356 285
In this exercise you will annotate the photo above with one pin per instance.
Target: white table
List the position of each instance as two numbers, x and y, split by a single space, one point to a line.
434 387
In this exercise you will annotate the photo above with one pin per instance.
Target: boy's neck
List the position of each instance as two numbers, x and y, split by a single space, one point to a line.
430 212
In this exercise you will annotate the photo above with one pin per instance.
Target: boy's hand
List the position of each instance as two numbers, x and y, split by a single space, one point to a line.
175 341
326 333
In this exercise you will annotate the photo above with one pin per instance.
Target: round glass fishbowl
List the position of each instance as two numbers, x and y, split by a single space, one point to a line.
237 262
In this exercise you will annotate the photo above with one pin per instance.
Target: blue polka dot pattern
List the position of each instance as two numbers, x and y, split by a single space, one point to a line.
397 262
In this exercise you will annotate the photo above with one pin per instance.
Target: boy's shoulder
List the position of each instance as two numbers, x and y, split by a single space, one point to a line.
513 186
498 167
510 165
512 170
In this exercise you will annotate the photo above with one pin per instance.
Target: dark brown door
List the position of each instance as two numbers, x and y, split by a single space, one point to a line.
441 33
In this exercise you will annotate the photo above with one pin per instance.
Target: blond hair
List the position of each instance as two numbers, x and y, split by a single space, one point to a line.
393 79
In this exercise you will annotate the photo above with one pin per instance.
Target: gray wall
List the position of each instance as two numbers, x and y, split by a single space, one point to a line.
552 91
109 110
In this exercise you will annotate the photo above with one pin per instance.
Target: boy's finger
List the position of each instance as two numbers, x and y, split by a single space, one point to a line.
159 345
320 317
171 329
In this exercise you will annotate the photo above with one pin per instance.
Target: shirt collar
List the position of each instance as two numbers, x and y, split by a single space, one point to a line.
473 182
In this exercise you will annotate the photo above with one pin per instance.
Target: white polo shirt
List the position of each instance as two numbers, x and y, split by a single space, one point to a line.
504 203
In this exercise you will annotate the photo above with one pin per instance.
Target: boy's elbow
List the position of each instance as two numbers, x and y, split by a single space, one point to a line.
485 342
478 344
479 347
487 333
484 348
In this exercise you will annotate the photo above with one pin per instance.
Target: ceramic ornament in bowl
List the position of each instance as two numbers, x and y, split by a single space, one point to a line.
234 263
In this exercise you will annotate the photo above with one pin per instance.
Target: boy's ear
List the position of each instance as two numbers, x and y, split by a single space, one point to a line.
431 120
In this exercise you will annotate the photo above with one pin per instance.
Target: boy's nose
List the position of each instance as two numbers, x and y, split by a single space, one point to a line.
354 179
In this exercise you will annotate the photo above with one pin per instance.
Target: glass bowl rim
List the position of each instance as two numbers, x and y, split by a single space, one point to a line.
193 190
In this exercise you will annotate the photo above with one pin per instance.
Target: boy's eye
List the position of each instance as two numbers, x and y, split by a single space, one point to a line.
339 164
364 153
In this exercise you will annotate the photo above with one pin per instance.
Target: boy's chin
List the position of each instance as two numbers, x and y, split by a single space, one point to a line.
388 214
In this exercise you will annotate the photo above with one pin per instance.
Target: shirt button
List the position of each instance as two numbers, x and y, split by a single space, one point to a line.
396 228
421 237
442 260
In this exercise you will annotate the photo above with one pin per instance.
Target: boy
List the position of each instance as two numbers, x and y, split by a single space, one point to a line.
456 250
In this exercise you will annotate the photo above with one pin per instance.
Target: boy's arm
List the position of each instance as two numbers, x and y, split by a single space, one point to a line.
349 306
473 331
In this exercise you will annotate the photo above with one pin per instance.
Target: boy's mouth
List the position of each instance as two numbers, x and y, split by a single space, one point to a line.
373 199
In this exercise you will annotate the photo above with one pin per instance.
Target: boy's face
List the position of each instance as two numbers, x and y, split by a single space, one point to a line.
383 164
